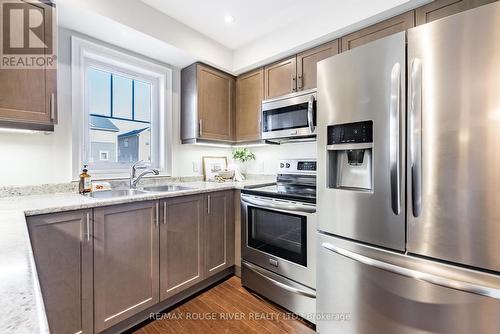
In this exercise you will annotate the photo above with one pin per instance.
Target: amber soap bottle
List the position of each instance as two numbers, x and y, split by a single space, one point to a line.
85 185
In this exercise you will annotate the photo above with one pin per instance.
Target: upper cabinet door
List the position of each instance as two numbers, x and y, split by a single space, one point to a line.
249 96
28 96
126 263
307 63
385 28
62 246
280 78
216 104
439 9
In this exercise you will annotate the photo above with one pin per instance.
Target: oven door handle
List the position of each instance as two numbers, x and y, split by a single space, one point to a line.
278 206
310 114
277 283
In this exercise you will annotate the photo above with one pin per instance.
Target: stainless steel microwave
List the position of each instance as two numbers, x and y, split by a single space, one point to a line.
291 116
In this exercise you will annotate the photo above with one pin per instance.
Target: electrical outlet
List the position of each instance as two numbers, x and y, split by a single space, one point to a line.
195 167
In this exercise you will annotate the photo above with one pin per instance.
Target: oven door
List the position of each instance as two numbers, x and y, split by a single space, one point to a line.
293 116
279 236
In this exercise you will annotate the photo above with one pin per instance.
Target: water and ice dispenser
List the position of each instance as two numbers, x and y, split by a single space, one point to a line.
350 156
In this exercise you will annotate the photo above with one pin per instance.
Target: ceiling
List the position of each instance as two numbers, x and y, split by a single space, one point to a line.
179 32
255 19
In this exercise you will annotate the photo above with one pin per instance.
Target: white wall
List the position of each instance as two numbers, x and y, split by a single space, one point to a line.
37 158
133 25
268 156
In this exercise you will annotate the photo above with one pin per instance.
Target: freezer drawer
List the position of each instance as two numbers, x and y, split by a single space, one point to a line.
363 283
291 295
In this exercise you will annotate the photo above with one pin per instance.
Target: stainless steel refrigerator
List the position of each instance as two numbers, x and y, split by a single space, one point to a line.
409 181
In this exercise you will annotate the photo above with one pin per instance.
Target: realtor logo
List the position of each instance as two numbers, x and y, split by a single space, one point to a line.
27 34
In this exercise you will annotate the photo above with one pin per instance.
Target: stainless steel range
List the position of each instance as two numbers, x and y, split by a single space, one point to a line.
278 238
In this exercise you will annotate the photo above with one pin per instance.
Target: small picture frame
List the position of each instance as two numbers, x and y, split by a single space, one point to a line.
213 166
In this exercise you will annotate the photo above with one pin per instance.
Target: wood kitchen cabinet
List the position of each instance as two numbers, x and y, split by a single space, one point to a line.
219 232
62 247
181 244
297 73
207 104
307 64
442 8
126 278
379 30
28 97
249 96
280 78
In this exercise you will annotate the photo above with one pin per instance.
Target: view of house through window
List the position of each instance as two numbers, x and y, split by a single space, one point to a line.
120 115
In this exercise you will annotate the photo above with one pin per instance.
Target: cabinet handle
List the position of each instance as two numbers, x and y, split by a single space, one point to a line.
157 218
52 106
200 127
88 226
164 213
208 204
294 89
299 83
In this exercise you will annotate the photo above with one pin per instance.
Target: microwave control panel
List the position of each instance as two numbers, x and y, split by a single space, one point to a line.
359 132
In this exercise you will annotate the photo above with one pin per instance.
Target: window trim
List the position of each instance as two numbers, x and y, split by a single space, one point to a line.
85 53
105 152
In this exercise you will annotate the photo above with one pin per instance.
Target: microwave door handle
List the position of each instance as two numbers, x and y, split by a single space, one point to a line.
395 102
294 208
310 114
415 274
415 93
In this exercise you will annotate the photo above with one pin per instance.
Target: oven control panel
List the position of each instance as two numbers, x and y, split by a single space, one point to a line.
294 166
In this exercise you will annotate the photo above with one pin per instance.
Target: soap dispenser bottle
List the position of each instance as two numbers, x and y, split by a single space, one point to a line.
85 185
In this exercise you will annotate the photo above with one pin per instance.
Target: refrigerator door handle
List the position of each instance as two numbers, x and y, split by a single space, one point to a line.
415 93
395 126
418 275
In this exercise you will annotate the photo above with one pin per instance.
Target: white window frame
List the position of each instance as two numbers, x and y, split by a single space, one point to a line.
86 53
100 155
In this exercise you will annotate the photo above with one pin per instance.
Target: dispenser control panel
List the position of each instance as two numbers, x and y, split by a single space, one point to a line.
360 132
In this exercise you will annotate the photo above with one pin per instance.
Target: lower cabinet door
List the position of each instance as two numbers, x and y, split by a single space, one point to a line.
181 244
219 232
125 261
62 246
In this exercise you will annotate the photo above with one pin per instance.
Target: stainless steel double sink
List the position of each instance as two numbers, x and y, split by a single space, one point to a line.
135 192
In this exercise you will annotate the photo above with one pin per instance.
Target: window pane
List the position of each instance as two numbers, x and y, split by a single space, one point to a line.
119 120
99 92
114 142
122 97
134 143
142 101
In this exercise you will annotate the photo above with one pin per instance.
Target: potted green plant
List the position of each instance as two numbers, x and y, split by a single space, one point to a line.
242 156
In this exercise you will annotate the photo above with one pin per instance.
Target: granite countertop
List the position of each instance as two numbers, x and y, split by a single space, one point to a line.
22 309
